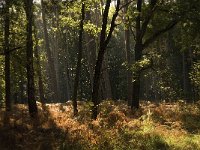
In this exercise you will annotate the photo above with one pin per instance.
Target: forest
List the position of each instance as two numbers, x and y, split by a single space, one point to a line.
99 75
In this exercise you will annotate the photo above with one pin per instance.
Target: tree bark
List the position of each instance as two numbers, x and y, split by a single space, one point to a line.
55 44
78 67
128 56
104 40
186 80
7 57
66 94
105 80
29 52
138 53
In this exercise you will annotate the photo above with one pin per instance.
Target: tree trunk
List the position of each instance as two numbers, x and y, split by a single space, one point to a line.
105 80
141 28
55 45
52 71
105 88
128 56
78 67
100 57
186 80
138 55
104 40
66 94
29 52
136 78
7 57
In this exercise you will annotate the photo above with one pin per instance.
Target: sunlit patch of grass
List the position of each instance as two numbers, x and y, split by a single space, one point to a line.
184 142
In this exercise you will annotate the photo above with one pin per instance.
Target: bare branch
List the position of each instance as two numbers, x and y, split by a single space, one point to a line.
11 50
147 19
159 32
125 5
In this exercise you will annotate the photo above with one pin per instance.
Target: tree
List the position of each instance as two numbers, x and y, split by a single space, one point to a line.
7 56
128 55
104 40
141 26
79 57
29 52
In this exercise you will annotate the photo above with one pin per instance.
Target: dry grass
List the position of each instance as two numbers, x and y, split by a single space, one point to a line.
154 126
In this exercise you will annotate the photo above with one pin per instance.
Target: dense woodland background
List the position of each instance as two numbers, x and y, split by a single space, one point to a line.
137 51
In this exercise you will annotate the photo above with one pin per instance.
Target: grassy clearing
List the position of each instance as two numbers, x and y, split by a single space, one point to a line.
155 126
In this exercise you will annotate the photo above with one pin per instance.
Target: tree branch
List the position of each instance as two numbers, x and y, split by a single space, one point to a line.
147 20
113 25
11 50
125 5
133 33
159 32
104 21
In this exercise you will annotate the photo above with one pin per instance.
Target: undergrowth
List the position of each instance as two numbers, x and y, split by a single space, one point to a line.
163 126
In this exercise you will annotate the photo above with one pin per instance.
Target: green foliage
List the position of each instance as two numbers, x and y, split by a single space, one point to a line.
139 66
195 74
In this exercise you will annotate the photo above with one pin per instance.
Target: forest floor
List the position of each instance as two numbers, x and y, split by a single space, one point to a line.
154 126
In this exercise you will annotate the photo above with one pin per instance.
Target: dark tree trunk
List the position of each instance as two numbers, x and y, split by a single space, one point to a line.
96 80
138 53
128 56
104 40
141 28
7 58
29 52
136 78
52 71
78 67
95 92
66 94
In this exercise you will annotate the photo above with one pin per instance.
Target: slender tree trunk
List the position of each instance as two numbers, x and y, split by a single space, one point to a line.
136 82
7 57
66 94
29 52
39 72
96 83
104 40
52 71
90 50
105 80
78 67
55 44
186 80
138 55
128 56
